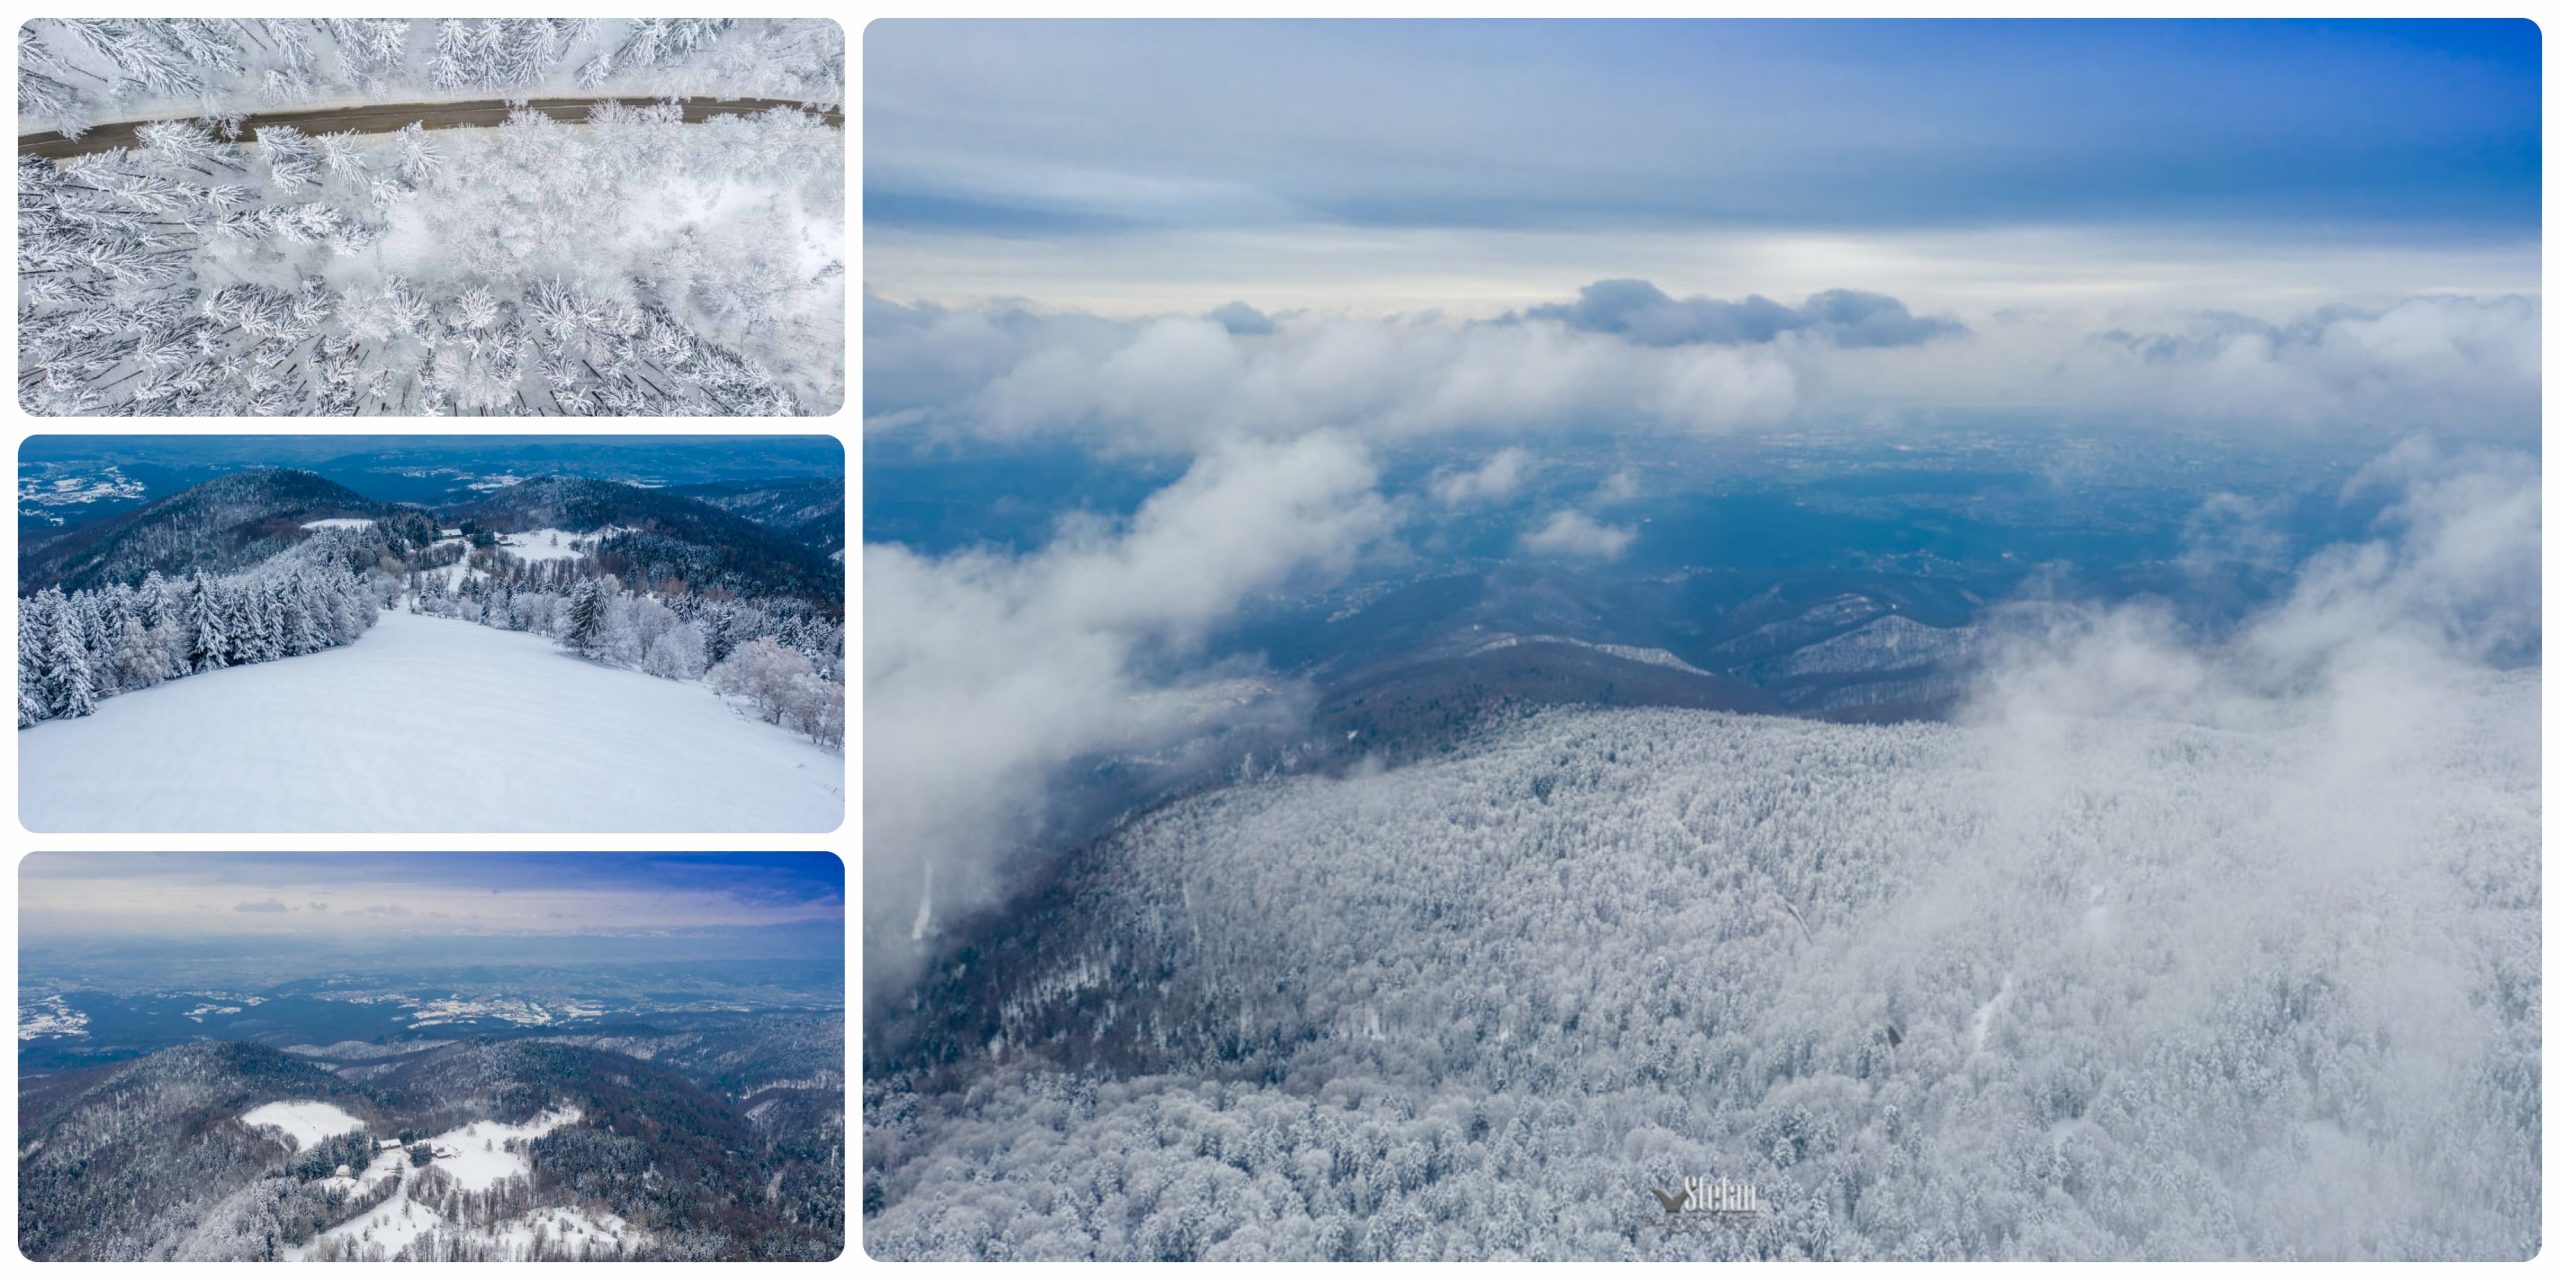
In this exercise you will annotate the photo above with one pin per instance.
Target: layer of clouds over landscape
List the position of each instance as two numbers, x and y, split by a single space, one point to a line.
2448 582
1643 314
986 676
1626 356
989 676
1175 383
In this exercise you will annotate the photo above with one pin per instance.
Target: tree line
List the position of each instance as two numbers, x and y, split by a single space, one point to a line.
782 658
77 648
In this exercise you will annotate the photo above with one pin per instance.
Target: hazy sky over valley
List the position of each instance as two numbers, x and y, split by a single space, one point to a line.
323 896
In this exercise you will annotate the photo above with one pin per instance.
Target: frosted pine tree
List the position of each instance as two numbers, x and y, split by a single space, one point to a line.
31 706
261 640
451 68
141 654
207 629
584 628
69 687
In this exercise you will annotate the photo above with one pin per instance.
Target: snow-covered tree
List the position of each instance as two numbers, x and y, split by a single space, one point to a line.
31 646
68 685
209 643
582 626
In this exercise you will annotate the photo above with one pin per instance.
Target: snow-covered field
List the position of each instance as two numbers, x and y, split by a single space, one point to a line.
476 1158
476 1154
338 522
530 1013
50 1017
304 1122
539 545
425 724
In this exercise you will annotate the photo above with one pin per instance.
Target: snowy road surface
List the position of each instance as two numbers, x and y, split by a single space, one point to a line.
487 113
424 724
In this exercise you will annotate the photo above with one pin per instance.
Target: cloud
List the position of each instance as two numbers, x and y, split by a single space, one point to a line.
2429 360
2316 828
263 905
1243 321
986 675
1646 316
2449 581
1575 535
2453 367
1602 127
1497 479
2456 367
1181 383
319 906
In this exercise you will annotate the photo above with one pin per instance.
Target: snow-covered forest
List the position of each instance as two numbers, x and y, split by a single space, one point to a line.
522 1150
778 656
76 71
76 649
2164 944
2099 990
604 258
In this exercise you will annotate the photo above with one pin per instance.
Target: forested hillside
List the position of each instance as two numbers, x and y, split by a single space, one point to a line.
652 535
220 526
475 1150
2069 988
810 512
152 1160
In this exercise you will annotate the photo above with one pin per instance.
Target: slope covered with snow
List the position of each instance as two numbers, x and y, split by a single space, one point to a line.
303 1121
424 724
2052 986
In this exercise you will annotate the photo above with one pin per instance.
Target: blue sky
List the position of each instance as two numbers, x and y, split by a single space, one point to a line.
1127 166
320 894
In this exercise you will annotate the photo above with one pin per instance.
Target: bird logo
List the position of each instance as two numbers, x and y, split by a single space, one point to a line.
1671 1203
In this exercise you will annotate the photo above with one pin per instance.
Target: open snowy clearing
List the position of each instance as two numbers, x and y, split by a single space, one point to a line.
304 1122
539 545
476 1158
476 1154
425 724
391 1224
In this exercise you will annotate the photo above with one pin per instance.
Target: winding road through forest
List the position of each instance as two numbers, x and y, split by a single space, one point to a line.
390 118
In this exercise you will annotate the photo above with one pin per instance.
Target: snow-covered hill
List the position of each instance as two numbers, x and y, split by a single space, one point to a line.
2051 987
425 724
